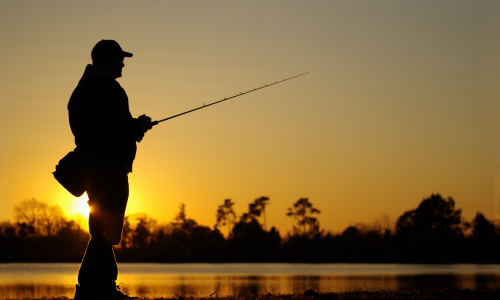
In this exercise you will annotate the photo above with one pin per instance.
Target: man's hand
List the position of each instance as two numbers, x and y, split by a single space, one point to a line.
145 122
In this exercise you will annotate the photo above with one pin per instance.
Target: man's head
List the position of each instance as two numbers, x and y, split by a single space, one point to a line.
109 55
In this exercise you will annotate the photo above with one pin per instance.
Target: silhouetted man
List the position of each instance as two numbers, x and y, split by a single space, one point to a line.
106 135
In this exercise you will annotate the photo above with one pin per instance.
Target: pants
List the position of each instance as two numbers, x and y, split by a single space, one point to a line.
108 190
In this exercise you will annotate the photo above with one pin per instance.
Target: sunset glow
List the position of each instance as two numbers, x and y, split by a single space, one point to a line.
79 206
402 101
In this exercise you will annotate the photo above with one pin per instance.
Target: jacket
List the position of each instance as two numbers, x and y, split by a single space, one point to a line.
101 121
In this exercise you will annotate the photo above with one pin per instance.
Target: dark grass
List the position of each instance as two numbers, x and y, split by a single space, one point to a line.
311 294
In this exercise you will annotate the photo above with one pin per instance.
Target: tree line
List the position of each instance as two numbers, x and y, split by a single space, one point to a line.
433 232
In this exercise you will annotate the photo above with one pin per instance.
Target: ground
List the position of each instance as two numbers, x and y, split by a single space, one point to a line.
311 294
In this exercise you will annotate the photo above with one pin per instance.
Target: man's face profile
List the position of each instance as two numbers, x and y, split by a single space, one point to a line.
116 65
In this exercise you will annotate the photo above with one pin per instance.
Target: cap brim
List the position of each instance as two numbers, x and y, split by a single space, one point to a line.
127 54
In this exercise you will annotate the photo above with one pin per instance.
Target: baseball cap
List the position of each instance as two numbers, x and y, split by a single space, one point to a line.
106 48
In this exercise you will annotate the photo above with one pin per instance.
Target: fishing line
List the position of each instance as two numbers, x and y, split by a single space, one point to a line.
406 121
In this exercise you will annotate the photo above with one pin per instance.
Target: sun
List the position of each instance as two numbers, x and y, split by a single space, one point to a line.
80 206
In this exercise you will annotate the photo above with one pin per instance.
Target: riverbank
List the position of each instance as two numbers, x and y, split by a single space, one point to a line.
311 294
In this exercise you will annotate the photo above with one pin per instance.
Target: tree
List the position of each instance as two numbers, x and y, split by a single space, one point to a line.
39 217
137 231
72 236
431 233
255 210
181 220
483 242
433 213
259 208
251 239
303 211
141 234
224 213
183 226
126 240
482 228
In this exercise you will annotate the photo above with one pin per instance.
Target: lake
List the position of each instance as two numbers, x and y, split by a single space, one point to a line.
155 280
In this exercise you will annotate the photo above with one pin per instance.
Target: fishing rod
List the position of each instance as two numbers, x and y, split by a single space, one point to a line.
225 99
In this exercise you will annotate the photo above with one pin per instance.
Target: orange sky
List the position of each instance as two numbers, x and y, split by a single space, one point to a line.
401 102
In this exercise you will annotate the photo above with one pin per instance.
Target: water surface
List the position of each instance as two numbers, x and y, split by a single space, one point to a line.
154 280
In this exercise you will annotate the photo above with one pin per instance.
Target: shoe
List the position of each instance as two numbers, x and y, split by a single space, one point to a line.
85 292
111 291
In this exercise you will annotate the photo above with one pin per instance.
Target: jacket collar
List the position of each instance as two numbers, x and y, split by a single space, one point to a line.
91 71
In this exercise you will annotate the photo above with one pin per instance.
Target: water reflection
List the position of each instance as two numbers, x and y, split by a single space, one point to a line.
155 280
26 290
236 285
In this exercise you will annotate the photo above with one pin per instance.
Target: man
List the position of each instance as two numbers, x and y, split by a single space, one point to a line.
106 135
